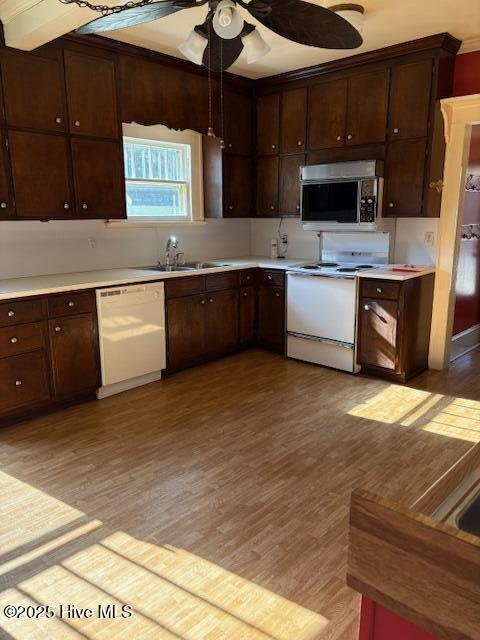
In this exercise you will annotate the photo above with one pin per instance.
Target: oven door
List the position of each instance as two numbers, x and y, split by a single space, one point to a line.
331 202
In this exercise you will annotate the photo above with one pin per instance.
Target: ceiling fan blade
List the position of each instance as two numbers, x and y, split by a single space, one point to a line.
220 54
306 23
134 16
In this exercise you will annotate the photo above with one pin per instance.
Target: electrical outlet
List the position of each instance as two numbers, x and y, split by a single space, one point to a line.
92 242
429 238
284 238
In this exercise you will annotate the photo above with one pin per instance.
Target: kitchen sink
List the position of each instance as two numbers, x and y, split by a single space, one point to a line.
188 266
469 520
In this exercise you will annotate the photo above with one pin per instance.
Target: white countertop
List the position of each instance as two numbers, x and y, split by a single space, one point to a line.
56 283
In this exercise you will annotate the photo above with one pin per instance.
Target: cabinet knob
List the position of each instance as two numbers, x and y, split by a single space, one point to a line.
349 137
272 207
14 340
379 289
391 205
277 295
84 205
274 146
66 205
269 277
11 313
18 383
58 120
299 143
58 329
230 145
249 277
71 303
230 207
210 300
3 205
366 307
396 130
298 207
339 138
245 294
77 123
202 301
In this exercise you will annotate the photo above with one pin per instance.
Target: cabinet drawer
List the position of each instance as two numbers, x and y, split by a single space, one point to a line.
71 303
18 312
21 338
248 277
23 381
179 287
381 289
222 281
274 278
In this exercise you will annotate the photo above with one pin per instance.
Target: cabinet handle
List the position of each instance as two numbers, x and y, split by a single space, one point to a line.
367 307
58 120
391 205
58 329
11 313
3 205
339 138
349 137
396 130
84 205
66 205
202 301
77 123
18 383
438 186
379 289
269 277
71 303
14 340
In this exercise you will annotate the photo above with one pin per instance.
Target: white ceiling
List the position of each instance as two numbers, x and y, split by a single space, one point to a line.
387 22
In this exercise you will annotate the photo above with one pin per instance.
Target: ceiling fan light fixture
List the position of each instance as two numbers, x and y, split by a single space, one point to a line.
352 13
227 21
194 46
254 46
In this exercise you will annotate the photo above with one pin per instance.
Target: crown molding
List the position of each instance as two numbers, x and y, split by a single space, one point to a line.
472 44
10 9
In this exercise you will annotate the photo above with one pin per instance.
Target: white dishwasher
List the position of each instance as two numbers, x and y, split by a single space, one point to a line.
131 323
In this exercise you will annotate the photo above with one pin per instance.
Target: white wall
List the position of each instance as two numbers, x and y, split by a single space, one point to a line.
410 245
36 248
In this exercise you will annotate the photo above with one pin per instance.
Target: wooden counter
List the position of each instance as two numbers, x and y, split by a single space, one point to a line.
415 565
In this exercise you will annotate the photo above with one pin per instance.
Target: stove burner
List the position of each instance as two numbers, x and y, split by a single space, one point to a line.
310 266
327 264
365 266
347 269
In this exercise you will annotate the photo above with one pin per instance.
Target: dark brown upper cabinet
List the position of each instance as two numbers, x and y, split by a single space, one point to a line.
367 108
41 175
268 124
91 93
98 178
327 112
7 207
289 187
410 100
238 123
237 186
33 91
293 121
267 187
405 168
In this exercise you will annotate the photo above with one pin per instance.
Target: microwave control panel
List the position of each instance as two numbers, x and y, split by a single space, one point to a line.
368 201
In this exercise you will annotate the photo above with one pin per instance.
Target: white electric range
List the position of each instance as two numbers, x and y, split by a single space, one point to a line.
322 299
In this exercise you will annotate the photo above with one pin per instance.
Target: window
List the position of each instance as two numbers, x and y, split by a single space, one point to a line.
163 174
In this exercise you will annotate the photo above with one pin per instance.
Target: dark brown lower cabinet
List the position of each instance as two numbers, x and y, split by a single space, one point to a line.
74 355
394 326
48 352
247 315
221 321
271 317
186 330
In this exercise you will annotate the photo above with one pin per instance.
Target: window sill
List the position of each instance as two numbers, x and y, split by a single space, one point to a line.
145 224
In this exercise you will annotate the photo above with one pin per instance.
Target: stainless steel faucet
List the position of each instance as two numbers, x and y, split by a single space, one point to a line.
172 243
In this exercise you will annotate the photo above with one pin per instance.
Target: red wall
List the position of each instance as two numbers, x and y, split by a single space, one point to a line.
467 306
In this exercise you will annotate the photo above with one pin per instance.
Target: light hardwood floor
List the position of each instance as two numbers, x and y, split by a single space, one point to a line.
216 502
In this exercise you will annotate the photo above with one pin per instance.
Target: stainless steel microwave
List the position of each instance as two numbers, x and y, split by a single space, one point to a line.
342 196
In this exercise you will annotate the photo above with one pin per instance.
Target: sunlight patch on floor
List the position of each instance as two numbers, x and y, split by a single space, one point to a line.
459 419
391 405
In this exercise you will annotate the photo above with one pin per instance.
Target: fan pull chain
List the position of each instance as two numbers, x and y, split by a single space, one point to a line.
210 131
222 139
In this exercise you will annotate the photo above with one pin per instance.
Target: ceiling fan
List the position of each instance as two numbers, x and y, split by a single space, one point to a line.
218 42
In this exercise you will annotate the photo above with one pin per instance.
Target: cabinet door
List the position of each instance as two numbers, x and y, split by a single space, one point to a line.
7 206
247 315
378 333
74 353
327 112
238 123
91 94
268 124
367 108
404 178
237 186
186 330
23 382
99 179
410 100
289 184
293 122
267 187
221 321
33 88
41 175
271 318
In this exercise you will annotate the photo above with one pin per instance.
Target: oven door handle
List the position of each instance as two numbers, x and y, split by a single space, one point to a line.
321 275
335 343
